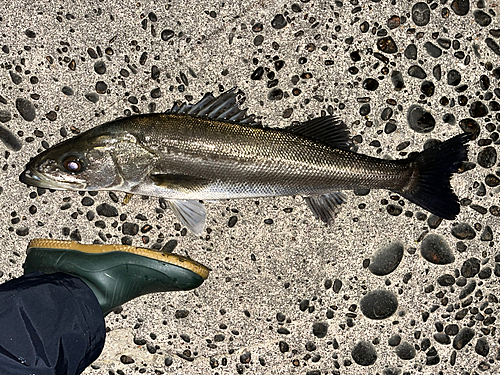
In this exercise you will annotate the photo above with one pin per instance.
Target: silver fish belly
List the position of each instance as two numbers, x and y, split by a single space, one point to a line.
212 150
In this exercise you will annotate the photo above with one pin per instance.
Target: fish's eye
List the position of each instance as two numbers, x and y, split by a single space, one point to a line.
73 164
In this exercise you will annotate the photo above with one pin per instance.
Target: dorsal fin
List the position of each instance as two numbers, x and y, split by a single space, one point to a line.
225 107
329 130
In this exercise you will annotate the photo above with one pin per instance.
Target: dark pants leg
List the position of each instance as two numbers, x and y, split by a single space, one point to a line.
49 324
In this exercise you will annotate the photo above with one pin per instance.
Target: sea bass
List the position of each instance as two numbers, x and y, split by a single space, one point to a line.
212 150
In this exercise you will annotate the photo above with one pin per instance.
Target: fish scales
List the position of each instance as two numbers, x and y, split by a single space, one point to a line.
261 161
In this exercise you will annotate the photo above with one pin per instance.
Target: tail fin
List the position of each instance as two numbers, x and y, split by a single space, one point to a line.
434 167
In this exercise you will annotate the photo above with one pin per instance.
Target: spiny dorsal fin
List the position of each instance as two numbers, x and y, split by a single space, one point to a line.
225 107
329 130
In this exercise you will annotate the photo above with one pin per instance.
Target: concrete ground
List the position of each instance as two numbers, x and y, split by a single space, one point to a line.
287 294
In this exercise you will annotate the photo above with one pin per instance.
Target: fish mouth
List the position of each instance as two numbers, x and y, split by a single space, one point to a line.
35 178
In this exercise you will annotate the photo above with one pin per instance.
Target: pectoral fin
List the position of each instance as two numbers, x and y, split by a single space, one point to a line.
326 207
191 214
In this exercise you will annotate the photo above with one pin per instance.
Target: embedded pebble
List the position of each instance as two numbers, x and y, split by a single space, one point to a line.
433 50
463 337
320 329
406 351
417 72
26 109
460 7
435 249
379 304
463 231
9 139
387 45
364 353
487 157
106 210
278 22
420 14
5 116
470 267
420 120
482 347
386 259
482 18
478 109
453 77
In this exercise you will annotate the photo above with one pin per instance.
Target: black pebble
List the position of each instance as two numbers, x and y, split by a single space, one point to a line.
411 52
453 77
26 109
420 14
257 74
442 338
100 67
283 346
482 18
67 90
470 267
16 78
87 201
433 50
491 180
379 304
493 45
435 249
478 109
92 97
370 84
471 126
106 210
387 45
386 259
451 329
320 329
463 337
405 351
30 34
394 340
232 221
417 72
167 35
468 289
125 359
5 116
487 157
397 80
446 280
23 231
275 94
365 109
427 88
278 22
9 139
463 231
364 353
101 87
482 346
420 120
179 314
460 7
169 246
130 229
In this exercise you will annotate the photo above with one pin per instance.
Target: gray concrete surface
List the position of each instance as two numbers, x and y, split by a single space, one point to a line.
271 283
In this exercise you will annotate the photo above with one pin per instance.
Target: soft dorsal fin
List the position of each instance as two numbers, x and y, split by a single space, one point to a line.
225 107
329 130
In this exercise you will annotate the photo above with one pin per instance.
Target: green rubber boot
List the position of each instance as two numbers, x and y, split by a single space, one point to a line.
115 273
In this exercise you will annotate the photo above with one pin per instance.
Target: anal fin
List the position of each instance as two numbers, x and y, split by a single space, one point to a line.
190 213
326 207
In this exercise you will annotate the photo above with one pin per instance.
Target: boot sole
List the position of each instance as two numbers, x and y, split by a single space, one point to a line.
174 259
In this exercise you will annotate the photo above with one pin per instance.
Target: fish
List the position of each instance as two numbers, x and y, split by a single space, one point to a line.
212 150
